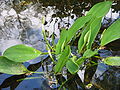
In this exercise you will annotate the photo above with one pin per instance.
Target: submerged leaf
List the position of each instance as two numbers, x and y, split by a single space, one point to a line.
72 66
62 59
21 53
9 67
111 34
114 61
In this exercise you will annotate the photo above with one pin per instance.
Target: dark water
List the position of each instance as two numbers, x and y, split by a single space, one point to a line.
21 23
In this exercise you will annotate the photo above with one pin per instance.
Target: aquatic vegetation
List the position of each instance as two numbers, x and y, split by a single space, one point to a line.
10 67
16 53
89 27
114 61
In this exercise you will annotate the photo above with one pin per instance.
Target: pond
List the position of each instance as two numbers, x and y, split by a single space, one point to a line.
21 23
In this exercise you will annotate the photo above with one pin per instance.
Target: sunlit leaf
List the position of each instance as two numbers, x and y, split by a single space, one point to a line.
90 31
78 24
100 9
61 42
62 59
94 29
21 53
72 66
111 34
9 67
89 53
114 61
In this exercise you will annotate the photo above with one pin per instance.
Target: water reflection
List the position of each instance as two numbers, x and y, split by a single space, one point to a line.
12 82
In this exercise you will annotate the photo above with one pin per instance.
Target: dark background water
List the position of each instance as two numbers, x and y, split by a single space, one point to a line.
58 13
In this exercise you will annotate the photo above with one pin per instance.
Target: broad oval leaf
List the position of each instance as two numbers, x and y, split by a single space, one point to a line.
78 24
9 67
114 61
72 66
62 59
111 34
21 53
100 9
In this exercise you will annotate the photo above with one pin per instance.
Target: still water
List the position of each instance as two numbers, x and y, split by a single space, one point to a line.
20 23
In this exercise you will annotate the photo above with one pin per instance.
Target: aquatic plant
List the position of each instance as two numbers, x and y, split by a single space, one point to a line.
89 25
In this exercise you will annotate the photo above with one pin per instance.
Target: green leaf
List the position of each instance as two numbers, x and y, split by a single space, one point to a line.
21 53
89 53
9 67
83 38
114 61
61 42
94 29
78 24
111 34
72 66
85 35
100 9
62 59
89 33
80 61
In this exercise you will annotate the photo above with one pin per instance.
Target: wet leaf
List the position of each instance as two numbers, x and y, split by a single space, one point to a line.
78 24
9 67
72 66
21 53
114 61
62 59
94 29
100 9
61 42
111 34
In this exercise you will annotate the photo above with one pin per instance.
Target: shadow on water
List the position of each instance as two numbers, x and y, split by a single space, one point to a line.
63 10
13 81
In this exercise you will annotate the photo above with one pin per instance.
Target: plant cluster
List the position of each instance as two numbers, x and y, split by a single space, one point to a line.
86 26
